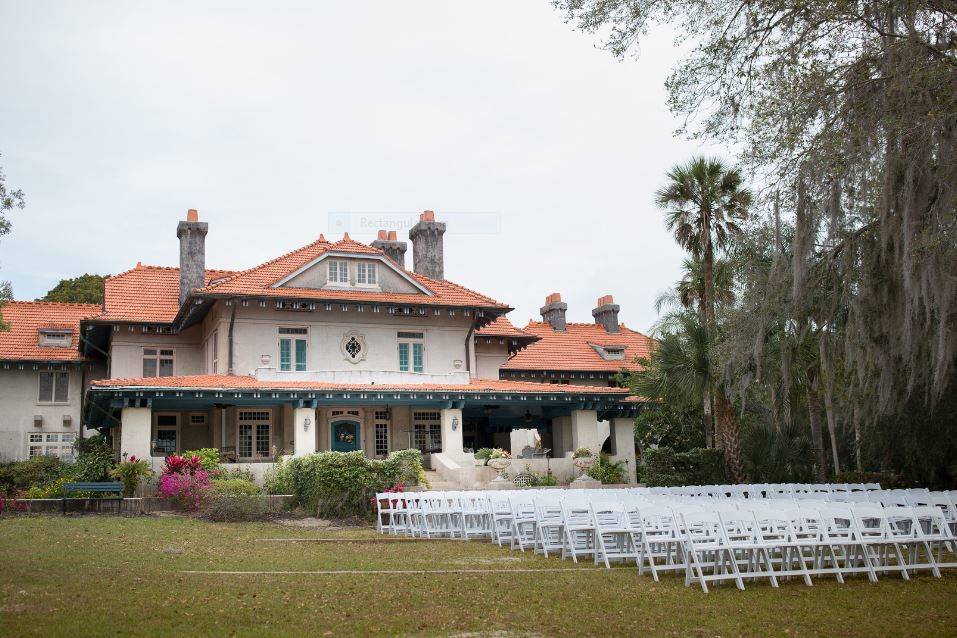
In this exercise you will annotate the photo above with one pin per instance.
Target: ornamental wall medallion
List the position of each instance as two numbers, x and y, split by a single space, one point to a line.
353 347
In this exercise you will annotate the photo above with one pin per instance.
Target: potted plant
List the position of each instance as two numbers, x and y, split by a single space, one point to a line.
129 472
499 460
583 458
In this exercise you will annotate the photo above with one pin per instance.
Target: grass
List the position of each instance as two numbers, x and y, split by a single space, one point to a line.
96 575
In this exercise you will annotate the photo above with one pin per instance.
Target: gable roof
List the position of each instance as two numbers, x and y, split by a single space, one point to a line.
27 318
260 280
145 294
572 350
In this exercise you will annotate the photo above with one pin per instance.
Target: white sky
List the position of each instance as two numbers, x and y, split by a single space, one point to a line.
277 120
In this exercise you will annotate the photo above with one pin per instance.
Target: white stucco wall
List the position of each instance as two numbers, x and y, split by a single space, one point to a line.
489 357
126 350
18 405
255 334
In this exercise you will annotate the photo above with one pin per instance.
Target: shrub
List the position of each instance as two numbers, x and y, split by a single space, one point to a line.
22 475
234 487
95 459
701 466
279 479
185 490
208 458
231 473
484 454
582 453
607 471
50 489
343 484
176 464
236 508
130 472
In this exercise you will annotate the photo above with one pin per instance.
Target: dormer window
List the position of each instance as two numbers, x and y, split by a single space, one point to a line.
56 338
610 353
366 274
338 272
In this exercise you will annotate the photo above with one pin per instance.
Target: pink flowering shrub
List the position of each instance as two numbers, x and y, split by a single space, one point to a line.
185 490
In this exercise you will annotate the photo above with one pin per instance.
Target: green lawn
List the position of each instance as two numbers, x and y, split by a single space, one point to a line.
83 576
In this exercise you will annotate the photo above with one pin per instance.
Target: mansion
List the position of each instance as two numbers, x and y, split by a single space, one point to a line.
334 346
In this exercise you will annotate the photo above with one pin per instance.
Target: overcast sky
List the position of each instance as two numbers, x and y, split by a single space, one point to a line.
279 121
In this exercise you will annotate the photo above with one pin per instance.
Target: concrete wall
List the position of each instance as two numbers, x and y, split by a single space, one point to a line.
18 405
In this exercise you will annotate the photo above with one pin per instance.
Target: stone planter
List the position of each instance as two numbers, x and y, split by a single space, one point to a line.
583 463
499 465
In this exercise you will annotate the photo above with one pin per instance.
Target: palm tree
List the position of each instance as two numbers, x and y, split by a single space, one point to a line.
686 296
678 369
704 203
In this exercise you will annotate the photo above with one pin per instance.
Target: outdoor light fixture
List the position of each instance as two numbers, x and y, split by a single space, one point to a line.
306 423
528 417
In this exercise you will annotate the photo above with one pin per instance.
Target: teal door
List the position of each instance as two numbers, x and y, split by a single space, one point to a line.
345 436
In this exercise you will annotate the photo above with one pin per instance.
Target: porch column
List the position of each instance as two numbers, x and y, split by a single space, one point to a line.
136 428
304 424
452 440
623 439
585 430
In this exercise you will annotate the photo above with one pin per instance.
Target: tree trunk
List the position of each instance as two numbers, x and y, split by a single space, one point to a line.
706 407
817 436
832 429
730 433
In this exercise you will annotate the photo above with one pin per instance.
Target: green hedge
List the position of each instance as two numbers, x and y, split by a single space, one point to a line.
699 466
343 484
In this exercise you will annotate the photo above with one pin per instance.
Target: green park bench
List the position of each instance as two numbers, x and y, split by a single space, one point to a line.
102 488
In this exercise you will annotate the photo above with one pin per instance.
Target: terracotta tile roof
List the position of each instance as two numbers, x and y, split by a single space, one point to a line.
572 349
502 327
27 318
235 382
258 281
146 294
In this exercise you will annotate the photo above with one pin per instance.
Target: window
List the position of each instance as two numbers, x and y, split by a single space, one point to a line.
381 433
214 352
54 387
292 351
58 444
338 272
427 431
51 338
157 362
167 430
365 274
255 434
197 419
411 352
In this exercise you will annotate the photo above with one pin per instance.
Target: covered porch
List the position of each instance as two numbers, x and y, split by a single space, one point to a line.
254 427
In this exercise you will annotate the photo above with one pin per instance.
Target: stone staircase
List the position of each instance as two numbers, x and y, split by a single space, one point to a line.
437 483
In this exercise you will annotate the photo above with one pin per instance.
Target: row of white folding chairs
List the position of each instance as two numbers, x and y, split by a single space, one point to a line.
730 543
764 490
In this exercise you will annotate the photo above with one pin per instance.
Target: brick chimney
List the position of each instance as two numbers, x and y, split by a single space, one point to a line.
388 242
192 254
606 313
554 312
426 236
